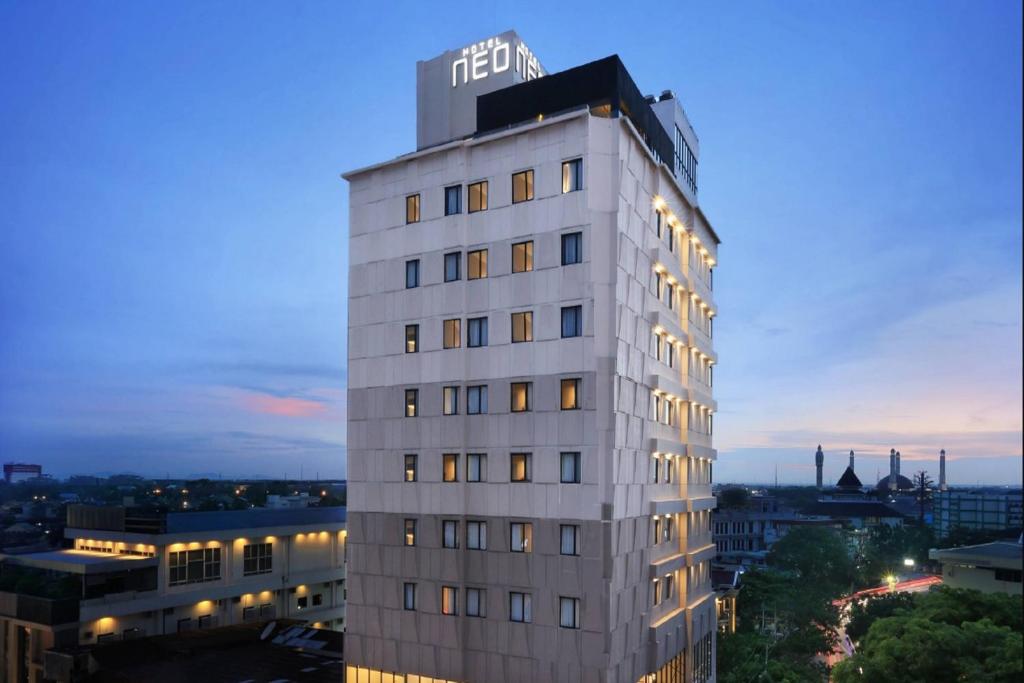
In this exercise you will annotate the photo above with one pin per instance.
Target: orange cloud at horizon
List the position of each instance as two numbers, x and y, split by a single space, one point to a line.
285 407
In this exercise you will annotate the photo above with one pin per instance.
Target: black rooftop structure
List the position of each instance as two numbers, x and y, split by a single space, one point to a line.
849 480
604 82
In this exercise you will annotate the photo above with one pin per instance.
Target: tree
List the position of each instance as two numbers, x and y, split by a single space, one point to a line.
733 497
923 486
885 548
819 555
863 614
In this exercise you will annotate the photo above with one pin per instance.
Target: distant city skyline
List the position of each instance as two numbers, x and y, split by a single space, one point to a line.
172 288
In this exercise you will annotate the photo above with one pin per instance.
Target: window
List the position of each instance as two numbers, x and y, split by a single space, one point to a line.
412 208
570 468
412 338
300 603
671 239
475 602
452 263
450 402
411 466
656 590
476 332
409 599
659 344
520 467
522 186
194 566
666 587
520 608
450 534
449 600
452 333
569 539
657 408
410 532
452 200
476 264
476 400
412 273
572 175
659 285
476 467
657 529
659 222
257 558
521 537
572 321
412 402
570 394
569 612
476 535
670 296
572 248
670 354
522 327
521 396
522 257
478 196
450 467
668 470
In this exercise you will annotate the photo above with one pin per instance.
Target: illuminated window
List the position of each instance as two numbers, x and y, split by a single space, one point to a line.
412 338
572 321
476 535
478 196
452 333
569 539
522 257
520 607
570 394
522 186
571 469
452 269
409 600
522 327
572 175
450 467
412 402
569 612
476 264
449 600
521 535
475 602
450 402
476 400
476 467
410 532
476 332
411 463
412 274
450 533
666 530
193 566
452 200
521 396
257 558
572 248
412 208
520 467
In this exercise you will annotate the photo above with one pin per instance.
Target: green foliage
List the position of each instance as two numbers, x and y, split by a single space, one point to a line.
742 659
819 556
885 548
733 497
943 635
862 615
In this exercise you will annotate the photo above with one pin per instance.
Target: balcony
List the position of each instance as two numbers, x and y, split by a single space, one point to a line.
45 611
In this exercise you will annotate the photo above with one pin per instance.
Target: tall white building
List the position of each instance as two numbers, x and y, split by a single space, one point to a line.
530 373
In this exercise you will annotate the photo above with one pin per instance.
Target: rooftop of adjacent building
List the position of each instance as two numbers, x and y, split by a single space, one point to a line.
1001 554
278 651
162 521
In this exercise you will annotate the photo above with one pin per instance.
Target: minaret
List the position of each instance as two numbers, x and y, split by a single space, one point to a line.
851 461
898 474
892 469
942 470
819 461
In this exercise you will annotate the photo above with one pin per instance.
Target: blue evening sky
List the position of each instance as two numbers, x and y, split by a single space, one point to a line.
173 231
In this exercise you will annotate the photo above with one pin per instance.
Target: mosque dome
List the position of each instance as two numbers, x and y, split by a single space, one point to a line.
902 484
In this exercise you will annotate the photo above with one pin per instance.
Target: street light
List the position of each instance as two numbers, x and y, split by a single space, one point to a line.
908 562
891 580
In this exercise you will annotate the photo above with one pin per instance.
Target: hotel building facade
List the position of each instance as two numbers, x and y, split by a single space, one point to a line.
530 384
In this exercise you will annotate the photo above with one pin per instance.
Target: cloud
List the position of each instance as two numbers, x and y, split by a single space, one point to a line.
285 407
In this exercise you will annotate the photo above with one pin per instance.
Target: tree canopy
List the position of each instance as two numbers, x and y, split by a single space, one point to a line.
817 554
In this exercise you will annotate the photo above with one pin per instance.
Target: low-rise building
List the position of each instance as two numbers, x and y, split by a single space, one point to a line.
135 573
983 510
989 567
